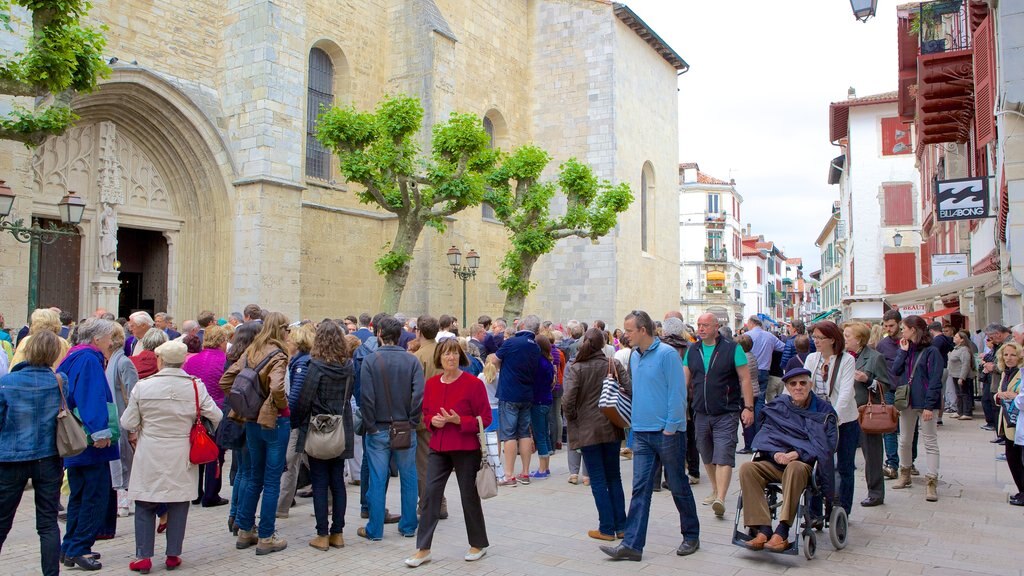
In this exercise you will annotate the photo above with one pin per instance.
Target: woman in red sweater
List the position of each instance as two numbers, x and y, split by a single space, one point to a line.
452 400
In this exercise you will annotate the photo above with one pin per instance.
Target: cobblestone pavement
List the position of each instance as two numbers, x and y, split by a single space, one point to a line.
540 530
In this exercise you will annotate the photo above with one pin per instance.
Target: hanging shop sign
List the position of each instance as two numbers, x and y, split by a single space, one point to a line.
949 267
962 199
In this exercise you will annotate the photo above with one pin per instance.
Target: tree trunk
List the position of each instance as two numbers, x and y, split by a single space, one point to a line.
515 299
394 282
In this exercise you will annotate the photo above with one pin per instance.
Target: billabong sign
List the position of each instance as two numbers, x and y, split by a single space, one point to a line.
962 199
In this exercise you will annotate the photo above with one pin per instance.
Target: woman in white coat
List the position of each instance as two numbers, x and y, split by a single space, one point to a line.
162 410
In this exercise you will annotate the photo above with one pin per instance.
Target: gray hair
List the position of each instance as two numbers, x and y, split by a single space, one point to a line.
163 315
141 317
189 326
994 328
153 338
531 323
94 328
401 318
1018 329
237 316
672 327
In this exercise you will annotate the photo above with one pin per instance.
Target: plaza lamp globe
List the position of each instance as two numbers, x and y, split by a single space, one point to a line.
71 208
473 259
897 240
454 257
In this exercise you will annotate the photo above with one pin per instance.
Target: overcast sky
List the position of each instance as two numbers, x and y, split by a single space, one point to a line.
754 105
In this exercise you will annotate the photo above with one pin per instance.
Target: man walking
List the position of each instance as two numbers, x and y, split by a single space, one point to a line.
718 377
765 343
518 358
659 433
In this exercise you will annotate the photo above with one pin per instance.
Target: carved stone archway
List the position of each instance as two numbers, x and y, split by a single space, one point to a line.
144 151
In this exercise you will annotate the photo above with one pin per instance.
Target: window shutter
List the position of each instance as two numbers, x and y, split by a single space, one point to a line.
895 137
926 262
899 208
900 272
984 83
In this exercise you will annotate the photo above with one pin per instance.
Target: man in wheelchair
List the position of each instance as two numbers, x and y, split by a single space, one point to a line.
798 431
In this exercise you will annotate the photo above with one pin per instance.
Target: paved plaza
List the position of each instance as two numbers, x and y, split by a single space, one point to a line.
540 530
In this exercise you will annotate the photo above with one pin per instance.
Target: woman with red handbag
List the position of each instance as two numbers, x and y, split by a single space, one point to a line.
165 408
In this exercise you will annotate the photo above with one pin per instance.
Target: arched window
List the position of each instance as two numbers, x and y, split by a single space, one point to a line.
494 125
646 205
321 92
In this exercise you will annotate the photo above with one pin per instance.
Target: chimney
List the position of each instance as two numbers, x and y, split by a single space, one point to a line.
851 93
748 228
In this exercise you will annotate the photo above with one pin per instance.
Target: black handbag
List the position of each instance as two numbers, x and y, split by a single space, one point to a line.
230 435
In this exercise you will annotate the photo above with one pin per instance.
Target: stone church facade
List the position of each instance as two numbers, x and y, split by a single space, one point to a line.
206 190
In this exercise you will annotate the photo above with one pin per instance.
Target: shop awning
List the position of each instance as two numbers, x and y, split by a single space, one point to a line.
716 276
927 294
940 313
824 315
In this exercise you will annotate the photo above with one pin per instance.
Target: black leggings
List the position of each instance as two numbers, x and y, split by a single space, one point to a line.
1015 460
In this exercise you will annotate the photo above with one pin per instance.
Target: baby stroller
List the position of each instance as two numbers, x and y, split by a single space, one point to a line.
834 520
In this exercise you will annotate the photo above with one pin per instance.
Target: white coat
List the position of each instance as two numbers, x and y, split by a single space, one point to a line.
163 409
842 397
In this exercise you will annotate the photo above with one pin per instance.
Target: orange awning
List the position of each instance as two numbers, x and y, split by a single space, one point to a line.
940 313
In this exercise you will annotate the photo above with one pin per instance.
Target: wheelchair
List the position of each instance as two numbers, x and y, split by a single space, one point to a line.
802 537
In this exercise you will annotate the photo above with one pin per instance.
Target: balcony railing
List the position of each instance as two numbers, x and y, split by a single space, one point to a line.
716 254
942 27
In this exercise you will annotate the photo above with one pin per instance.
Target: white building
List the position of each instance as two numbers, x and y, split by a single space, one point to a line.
710 273
877 235
830 276
764 265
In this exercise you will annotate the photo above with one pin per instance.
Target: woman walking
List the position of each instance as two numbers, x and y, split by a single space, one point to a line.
208 367
266 436
871 379
452 402
1008 360
327 390
919 365
30 396
962 370
163 408
592 433
121 377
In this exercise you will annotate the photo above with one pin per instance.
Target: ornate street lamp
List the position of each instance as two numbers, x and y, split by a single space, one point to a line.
863 9
71 208
897 239
464 273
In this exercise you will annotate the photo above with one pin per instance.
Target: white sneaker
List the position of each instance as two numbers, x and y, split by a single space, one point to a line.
413 562
474 556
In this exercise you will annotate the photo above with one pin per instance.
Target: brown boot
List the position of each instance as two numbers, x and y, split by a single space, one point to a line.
932 490
904 480
320 543
337 541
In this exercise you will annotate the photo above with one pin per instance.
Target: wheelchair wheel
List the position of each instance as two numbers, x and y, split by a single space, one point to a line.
810 542
838 525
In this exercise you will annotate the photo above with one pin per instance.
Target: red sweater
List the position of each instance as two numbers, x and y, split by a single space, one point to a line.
468 398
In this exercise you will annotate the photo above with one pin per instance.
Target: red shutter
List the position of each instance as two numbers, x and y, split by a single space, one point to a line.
926 261
895 137
853 277
984 82
899 208
759 281
900 272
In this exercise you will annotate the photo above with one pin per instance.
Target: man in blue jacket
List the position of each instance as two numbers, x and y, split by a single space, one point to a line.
659 432
798 431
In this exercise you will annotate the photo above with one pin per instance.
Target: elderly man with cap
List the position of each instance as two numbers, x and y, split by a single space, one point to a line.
798 431
163 409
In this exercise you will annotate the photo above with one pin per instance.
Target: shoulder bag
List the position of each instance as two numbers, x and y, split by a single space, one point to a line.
486 481
71 440
202 449
400 432
878 418
901 399
325 439
613 403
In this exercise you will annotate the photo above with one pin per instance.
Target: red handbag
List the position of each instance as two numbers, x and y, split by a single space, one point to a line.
203 449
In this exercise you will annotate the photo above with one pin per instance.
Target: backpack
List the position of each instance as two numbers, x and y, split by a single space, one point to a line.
246 396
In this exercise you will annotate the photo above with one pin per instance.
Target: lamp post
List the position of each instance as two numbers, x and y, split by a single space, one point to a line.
71 208
863 9
464 273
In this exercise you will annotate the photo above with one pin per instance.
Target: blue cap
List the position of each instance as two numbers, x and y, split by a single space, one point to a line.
801 371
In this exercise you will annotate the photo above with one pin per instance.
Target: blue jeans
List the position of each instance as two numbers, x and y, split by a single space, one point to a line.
541 429
266 458
891 441
378 454
648 448
87 506
242 474
846 452
328 478
602 462
759 393
46 475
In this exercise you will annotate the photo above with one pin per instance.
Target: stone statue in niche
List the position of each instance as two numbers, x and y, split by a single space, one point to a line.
108 238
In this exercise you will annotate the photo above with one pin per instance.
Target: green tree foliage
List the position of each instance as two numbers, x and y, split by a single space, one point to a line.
378 150
61 57
523 205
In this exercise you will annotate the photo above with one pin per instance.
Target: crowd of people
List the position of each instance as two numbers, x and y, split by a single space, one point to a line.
412 397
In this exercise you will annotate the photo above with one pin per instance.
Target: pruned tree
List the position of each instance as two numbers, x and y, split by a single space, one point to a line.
60 58
378 151
523 204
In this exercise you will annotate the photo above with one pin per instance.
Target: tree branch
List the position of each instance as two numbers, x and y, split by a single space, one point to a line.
403 185
29 138
13 87
565 233
378 196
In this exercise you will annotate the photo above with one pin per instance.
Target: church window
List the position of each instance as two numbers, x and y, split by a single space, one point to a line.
320 93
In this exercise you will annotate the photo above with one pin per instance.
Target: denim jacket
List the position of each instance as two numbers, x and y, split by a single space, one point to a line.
29 402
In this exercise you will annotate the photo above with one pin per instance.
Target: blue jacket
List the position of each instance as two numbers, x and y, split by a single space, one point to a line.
297 368
926 385
88 391
543 385
364 350
659 389
813 433
520 360
29 402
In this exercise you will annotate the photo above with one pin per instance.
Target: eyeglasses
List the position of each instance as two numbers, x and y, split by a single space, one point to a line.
794 383
820 337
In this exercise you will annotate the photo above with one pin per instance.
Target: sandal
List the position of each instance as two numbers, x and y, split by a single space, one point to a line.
574 479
